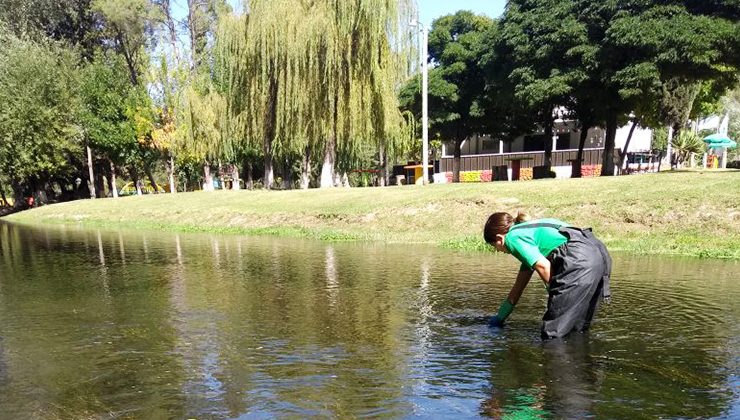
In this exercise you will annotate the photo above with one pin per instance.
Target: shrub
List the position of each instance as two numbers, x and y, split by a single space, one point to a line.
470 176
526 174
590 170
685 144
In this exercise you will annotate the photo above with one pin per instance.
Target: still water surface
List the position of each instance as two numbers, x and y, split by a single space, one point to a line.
145 325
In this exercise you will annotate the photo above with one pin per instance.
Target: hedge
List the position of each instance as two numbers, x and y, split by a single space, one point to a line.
590 170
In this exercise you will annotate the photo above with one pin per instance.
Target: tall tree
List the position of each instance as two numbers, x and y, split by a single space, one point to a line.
108 123
543 44
71 21
644 46
38 115
129 27
202 23
201 126
315 77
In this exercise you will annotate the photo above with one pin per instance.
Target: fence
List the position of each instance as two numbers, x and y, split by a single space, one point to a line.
559 158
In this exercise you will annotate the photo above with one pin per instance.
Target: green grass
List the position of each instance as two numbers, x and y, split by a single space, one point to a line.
678 213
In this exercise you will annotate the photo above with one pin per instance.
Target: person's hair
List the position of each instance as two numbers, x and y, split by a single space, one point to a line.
500 223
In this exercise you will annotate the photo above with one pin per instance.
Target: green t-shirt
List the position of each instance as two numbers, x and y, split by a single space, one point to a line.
530 241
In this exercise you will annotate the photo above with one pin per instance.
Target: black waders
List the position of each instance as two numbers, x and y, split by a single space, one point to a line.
580 274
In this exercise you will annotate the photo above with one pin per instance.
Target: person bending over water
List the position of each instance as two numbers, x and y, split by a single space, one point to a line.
573 263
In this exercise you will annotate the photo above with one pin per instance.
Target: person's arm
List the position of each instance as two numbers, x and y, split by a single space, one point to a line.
542 267
507 306
522 279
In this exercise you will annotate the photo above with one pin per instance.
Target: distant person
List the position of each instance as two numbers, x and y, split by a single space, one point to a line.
572 262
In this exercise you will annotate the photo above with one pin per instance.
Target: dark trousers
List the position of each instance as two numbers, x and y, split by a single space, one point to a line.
580 276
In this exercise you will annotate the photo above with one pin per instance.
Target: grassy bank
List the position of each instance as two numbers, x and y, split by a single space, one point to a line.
683 213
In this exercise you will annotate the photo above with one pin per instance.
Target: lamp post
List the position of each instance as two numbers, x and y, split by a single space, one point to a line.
423 57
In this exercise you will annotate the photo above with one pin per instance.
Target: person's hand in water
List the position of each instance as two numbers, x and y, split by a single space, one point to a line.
506 308
496 322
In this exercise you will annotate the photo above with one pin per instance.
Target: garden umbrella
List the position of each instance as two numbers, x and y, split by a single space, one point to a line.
720 141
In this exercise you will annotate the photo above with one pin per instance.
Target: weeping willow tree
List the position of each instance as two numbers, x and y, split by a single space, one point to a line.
316 79
202 126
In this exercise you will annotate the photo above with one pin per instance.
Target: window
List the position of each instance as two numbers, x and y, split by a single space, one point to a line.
489 145
563 142
535 143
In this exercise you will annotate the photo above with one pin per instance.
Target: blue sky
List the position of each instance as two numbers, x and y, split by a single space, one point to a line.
432 9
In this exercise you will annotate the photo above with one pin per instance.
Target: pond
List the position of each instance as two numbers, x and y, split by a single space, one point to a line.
159 325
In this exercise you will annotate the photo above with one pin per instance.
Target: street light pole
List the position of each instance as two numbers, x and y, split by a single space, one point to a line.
425 104
424 59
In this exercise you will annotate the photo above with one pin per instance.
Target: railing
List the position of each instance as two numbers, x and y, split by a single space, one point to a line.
559 158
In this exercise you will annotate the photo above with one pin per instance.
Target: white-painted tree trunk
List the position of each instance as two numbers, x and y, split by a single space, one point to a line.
113 187
208 184
235 185
669 147
91 182
269 177
383 167
327 168
306 170
171 174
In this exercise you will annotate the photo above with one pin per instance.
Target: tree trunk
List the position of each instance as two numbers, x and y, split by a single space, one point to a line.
623 153
113 188
578 164
194 33
18 202
99 182
171 28
676 131
306 168
669 144
39 194
327 168
3 197
17 191
208 183
137 181
171 174
91 179
127 55
235 185
250 181
270 126
287 175
456 161
330 149
52 187
548 126
607 166
383 167
268 180
148 172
